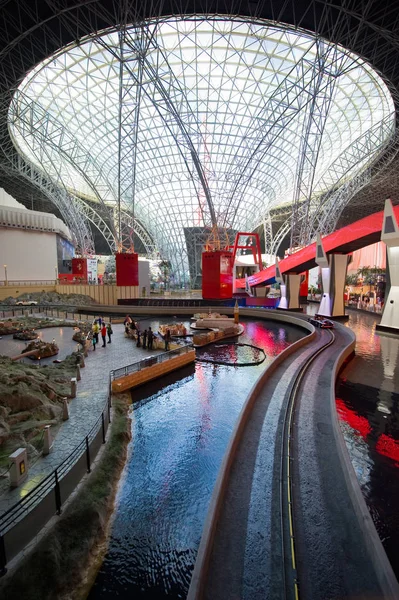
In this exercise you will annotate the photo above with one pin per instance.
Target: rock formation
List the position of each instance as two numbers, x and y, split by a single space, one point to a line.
44 349
30 398
26 335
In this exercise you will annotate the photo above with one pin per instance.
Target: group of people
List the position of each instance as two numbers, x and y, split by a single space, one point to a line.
143 339
100 327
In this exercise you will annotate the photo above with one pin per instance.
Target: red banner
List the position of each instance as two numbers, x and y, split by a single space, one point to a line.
127 269
79 268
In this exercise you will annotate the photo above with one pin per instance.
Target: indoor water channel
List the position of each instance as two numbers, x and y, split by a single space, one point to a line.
180 429
368 407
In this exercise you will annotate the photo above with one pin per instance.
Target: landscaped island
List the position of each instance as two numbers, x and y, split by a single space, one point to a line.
30 398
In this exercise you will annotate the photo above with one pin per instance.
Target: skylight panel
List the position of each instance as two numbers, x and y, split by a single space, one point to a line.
220 75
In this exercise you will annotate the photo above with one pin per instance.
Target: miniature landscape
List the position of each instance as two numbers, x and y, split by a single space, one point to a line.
31 396
22 325
50 298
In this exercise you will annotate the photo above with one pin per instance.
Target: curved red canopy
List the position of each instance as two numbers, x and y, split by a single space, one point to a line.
343 241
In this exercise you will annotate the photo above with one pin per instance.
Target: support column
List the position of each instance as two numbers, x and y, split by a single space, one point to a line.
333 276
390 235
289 286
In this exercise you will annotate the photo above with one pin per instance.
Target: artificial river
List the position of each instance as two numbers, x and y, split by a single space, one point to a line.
180 429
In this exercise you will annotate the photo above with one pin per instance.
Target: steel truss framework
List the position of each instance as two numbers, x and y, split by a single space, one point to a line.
321 214
104 226
328 66
22 169
359 26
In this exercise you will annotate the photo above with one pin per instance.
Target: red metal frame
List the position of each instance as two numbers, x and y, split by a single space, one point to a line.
257 255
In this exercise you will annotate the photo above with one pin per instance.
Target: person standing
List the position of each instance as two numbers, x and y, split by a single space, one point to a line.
104 335
96 331
145 334
150 338
167 339
94 341
109 332
138 339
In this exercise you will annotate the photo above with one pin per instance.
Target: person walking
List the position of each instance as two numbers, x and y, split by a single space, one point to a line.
104 335
168 337
109 332
145 334
150 338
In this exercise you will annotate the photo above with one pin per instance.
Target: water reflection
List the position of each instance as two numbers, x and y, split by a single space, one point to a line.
179 435
367 405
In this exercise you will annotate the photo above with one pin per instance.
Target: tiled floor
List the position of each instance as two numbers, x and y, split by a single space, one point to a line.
84 410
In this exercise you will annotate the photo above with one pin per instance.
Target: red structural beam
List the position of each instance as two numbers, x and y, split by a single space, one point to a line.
256 251
345 240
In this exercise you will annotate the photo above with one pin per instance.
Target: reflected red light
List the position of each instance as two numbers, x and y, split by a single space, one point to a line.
265 339
357 423
389 447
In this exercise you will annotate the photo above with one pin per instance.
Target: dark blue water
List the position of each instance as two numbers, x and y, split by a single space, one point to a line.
368 407
180 430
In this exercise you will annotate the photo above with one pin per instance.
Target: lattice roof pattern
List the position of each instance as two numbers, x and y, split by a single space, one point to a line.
228 69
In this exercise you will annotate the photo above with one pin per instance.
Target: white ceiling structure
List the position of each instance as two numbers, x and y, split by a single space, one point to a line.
207 119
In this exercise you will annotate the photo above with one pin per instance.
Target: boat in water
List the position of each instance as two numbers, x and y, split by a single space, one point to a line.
176 330
217 327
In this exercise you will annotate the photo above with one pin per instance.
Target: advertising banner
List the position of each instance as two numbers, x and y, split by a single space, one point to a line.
92 271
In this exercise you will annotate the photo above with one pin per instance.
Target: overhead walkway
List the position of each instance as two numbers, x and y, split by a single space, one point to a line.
345 240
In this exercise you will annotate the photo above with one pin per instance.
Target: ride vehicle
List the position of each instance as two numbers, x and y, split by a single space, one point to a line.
318 321
26 303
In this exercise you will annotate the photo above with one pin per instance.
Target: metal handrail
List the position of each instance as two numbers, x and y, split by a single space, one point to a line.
14 513
14 282
148 362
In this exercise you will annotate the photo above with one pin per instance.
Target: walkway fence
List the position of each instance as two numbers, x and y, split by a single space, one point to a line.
20 523
149 362
27 282
59 312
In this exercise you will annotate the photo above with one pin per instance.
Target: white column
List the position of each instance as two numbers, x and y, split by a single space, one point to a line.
390 235
333 275
290 284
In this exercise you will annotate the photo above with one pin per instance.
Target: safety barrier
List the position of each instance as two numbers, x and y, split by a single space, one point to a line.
59 312
20 523
149 362
27 282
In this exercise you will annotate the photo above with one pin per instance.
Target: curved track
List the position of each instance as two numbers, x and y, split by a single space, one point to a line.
284 522
291 583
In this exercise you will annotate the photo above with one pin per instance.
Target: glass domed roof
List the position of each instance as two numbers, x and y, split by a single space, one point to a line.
202 121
